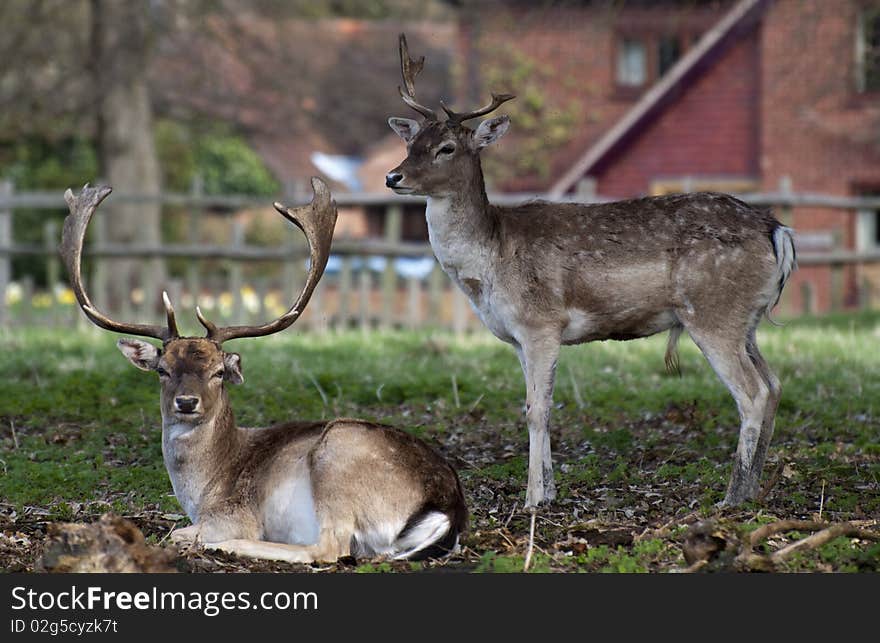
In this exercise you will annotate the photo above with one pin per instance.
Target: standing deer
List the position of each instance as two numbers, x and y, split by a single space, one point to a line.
543 274
300 491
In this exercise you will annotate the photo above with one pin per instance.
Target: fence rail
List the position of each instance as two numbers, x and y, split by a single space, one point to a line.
355 294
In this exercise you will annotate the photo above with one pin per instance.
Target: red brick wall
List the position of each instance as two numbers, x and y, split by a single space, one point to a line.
710 130
815 128
573 52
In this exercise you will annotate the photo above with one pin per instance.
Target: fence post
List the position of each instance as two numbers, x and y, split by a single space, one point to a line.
807 304
838 284
364 279
344 294
235 276
194 236
865 294
50 242
393 226
436 281
414 302
6 189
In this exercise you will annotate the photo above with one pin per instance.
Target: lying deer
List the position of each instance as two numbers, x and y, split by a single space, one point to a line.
300 491
543 274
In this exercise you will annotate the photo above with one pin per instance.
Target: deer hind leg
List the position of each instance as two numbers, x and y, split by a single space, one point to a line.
775 388
734 366
538 359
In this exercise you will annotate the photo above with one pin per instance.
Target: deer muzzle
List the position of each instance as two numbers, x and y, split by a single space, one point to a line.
186 404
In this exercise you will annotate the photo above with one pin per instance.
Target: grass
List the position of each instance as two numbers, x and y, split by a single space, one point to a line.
635 448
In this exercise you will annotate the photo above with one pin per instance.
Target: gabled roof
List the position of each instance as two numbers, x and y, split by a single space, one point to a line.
741 16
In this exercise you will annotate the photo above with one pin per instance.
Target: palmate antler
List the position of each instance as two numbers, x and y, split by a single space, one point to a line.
82 207
317 220
410 68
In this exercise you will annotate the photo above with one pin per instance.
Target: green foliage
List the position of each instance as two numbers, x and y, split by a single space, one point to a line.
230 166
226 163
540 122
37 164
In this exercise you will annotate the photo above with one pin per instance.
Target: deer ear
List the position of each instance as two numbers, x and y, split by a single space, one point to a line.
406 128
490 130
142 354
232 367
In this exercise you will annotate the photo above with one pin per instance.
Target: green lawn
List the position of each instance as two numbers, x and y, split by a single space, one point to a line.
635 449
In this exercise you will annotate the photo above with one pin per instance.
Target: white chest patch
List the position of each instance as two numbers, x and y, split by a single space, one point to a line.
187 484
468 264
456 251
289 511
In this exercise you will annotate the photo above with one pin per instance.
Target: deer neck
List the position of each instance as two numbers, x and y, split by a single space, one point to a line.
461 229
197 456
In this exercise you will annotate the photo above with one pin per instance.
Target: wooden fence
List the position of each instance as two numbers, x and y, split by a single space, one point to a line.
351 294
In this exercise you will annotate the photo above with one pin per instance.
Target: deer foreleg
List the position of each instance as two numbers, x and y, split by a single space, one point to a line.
538 359
264 550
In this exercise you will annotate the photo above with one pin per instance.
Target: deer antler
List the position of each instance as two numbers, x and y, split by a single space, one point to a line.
82 207
497 101
409 69
317 220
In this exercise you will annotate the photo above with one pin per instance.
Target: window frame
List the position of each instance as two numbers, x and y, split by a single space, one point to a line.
650 39
861 51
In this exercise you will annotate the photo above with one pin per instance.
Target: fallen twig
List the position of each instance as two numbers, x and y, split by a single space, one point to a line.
821 537
510 517
765 531
771 482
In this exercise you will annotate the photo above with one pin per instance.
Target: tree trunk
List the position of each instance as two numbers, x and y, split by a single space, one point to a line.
121 43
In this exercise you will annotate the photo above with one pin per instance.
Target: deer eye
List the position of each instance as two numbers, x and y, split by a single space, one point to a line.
219 374
449 148
161 371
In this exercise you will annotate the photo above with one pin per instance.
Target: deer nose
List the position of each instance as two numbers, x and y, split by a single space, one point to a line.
392 179
186 403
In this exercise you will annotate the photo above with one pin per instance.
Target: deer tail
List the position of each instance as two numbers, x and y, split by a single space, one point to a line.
786 262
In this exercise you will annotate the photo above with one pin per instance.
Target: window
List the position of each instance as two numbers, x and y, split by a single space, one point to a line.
868 228
668 53
632 63
868 51
643 58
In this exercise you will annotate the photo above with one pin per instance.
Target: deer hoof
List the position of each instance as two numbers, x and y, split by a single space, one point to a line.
186 535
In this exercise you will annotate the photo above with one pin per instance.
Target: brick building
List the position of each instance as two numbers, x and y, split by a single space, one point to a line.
742 96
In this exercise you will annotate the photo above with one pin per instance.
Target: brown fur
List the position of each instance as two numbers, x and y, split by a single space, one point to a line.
543 274
363 476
